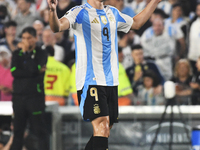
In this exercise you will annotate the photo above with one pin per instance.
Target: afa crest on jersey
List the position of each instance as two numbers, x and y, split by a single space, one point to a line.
103 19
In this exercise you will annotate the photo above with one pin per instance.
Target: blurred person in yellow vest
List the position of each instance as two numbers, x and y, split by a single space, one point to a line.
125 92
73 99
56 79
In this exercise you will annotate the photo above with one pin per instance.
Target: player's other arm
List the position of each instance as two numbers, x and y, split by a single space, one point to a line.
141 18
57 25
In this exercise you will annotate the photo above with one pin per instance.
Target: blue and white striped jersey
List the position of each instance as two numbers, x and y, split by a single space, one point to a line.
95 34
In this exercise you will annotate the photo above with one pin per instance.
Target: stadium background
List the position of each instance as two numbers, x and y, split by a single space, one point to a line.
172 44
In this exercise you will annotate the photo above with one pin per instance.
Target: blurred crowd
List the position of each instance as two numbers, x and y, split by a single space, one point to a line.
166 48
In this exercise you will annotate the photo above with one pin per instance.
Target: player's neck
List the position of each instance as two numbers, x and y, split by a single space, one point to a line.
97 4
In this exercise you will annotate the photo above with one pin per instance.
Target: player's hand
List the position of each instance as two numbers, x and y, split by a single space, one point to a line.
52 4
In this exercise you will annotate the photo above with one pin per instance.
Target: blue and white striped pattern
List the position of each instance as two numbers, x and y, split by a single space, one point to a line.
95 34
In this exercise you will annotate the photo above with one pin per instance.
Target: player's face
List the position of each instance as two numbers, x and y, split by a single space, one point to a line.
198 10
138 56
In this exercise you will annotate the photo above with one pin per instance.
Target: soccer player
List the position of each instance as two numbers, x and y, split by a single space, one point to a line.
95 29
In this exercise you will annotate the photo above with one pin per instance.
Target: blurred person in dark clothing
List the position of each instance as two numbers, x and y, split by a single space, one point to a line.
129 39
62 7
28 67
139 67
4 17
182 78
10 41
195 85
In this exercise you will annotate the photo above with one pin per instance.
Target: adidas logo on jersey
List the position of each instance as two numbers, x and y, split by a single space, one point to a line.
95 21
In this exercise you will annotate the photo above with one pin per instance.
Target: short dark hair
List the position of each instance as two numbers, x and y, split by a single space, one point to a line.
135 47
10 23
151 74
161 13
3 9
50 50
176 5
29 30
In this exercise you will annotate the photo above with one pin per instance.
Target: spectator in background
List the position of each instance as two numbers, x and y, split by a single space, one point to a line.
6 78
138 5
119 4
68 48
73 99
56 81
48 38
182 78
45 16
166 6
195 85
157 14
28 68
125 92
126 42
194 40
146 94
4 17
160 44
24 18
177 18
10 41
39 27
139 67
63 6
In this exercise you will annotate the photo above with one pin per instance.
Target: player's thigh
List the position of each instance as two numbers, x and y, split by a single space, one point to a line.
93 102
112 92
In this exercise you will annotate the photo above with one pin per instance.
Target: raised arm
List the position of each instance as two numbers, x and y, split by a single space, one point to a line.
142 17
57 25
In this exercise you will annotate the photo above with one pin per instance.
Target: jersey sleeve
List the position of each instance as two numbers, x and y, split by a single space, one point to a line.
124 22
73 15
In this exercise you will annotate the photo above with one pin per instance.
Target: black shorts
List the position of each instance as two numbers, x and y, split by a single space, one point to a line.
98 101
